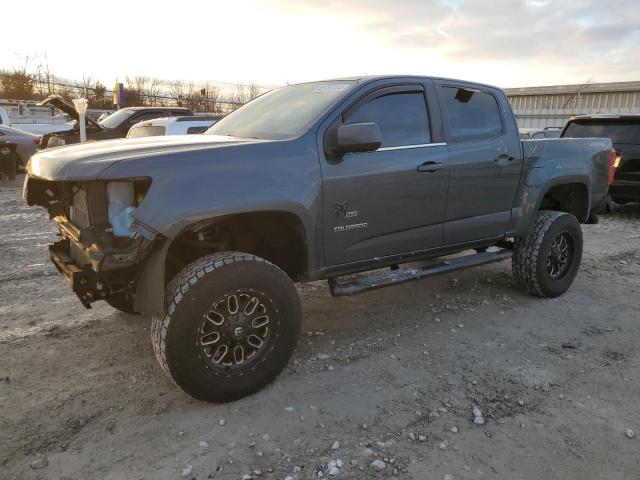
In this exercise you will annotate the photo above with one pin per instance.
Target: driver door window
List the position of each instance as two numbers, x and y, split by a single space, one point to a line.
401 117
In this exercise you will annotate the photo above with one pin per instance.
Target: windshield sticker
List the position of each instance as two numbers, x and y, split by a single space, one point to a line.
331 87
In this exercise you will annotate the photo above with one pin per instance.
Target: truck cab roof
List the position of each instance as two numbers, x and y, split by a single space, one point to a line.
373 78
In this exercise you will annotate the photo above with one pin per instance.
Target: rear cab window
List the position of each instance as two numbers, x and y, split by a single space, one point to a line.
195 130
620 132
149 116
472 114
146 131
401 117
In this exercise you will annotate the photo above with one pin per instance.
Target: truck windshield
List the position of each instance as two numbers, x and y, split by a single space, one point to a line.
618 132
282 113
116 118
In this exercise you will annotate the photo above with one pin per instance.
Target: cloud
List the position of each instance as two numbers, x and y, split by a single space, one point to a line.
502 42
589 37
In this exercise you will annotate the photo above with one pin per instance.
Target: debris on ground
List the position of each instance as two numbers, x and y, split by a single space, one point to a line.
39 463
478 419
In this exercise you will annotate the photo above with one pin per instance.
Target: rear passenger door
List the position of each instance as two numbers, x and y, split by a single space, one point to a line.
486 161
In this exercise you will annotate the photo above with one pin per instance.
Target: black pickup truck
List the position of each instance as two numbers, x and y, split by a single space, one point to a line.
115 125
324 180
624 133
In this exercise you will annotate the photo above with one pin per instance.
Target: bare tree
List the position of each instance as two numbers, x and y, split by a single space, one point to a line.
45 79
17 82
253 91
87 87
177 91
154 88
25 83
211 99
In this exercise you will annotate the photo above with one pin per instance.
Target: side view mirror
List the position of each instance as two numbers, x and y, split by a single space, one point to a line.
358 137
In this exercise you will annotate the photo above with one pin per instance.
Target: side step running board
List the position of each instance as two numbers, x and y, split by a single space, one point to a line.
377 280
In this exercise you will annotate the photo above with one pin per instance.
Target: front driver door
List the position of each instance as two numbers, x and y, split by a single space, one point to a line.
392 200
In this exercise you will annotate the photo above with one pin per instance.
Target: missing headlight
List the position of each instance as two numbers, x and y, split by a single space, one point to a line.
121 204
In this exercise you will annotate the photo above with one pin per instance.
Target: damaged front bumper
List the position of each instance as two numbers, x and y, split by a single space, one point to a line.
95 274
82 280
95 263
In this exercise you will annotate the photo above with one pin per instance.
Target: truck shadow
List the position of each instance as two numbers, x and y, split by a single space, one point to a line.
628 211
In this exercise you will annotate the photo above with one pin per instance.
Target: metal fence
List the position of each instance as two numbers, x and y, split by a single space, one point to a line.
539 107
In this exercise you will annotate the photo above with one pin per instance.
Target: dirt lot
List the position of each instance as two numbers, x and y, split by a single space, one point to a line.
390 376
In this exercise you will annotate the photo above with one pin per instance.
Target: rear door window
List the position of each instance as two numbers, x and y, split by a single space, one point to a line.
193 130
401 117
472 114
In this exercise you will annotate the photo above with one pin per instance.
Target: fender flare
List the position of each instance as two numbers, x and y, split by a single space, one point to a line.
149 297
529 208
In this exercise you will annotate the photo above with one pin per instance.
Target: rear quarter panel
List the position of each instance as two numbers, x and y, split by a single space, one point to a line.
552 162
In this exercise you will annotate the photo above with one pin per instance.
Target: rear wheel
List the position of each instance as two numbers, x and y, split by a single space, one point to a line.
231 324
546 260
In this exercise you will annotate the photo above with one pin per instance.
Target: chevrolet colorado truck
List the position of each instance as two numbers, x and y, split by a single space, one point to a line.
342 180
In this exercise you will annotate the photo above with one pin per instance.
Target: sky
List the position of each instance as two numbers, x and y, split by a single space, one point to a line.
507 43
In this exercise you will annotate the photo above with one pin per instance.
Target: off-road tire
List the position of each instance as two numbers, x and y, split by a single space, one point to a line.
122 302
530 254
176 335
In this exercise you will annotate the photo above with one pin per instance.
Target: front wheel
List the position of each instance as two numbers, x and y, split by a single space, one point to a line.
231 323
546 260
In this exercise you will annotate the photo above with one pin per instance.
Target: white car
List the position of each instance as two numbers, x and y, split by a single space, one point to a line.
26 143
27 125
172 126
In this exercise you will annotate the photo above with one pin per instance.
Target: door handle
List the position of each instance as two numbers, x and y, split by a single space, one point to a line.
503 159
430 167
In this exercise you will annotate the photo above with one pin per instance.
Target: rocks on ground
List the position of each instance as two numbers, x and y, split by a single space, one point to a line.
39 463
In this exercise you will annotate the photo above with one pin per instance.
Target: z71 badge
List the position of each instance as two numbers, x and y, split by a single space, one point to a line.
341 209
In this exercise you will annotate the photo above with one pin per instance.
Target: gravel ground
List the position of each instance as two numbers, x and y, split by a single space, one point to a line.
382 385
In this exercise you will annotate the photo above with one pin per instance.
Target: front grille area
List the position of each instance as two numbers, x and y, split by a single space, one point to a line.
79 211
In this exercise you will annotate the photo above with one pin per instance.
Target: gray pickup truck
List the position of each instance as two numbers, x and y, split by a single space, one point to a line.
208 233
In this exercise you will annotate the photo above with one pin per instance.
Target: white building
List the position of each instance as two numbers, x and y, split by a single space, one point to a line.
539 107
